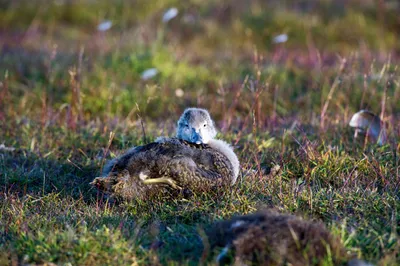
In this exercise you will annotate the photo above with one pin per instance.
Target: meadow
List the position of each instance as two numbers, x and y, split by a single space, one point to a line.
280 78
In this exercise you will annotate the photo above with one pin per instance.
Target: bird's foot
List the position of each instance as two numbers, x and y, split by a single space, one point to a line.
162 180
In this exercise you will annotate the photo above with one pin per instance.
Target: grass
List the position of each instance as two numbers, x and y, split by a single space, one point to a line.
64 87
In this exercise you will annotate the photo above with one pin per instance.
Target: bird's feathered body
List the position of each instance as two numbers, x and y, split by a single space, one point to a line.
271 238
193 161
369 125
164 167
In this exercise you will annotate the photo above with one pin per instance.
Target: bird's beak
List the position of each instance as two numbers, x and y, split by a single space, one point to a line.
196 137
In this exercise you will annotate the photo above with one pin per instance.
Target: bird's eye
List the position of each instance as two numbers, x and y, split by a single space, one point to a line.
205 125
187 125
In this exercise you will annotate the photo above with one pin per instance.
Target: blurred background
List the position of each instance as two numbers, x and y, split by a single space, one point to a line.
79 60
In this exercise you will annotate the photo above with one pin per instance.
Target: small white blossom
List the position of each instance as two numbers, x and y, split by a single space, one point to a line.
149 73
170 14
281 38
179 93
104 26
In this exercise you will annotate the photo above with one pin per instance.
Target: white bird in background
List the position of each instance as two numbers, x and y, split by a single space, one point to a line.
367 124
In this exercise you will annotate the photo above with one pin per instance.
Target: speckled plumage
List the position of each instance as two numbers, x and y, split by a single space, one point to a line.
271 238
177 164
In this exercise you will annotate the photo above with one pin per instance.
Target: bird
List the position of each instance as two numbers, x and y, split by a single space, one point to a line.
369 125
191 161
195 125
268 237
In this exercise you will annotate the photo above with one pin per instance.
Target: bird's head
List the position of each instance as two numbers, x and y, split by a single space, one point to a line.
368 124
196 126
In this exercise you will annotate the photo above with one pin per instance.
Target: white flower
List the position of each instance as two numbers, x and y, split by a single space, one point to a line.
179 93
149 73
104 26
170 14
280 38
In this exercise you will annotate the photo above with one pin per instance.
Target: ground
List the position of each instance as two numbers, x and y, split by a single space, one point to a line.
73 96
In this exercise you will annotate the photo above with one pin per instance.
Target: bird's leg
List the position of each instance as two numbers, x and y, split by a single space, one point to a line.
164 180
